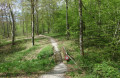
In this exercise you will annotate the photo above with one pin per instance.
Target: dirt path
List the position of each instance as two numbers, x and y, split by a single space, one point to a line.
60 69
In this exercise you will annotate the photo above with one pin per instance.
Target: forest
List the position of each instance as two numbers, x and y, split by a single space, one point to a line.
59 39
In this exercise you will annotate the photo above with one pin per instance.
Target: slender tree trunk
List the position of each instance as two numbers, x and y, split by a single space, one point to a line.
37 20
23 28
32 19
67 25
10 24
49 17
7 25
53 18
99 4
13 26
42 27
26 24
49 26
99 15
48 22
3 25
23 19
81 28
37 24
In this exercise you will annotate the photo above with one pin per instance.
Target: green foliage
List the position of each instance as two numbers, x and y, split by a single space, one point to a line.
105 71
45 52
71 74
60 24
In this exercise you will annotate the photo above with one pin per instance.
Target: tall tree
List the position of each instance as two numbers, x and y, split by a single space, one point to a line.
43 30
13 25
37 18
67 25
32 20
48 14
23 21
81 27
3 25
7 23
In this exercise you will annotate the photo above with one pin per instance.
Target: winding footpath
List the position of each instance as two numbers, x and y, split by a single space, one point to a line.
60 69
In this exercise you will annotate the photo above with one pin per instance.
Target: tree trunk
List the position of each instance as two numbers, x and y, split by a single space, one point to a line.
67 25
81 28
42 27
49 26
10 23
7 25
23 28
37 24
13 26
99 5
48 21
99 15
32 20
3 25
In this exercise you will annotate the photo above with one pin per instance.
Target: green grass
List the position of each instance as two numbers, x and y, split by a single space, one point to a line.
8 49
29 66
17 52
14 65
45 52
19 55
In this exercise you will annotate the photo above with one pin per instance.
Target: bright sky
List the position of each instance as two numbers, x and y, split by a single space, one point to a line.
16 6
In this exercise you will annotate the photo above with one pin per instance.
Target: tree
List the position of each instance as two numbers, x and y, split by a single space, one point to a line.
3 25
7 23
81 28
13 25
23 21
37 18
67 25
32 20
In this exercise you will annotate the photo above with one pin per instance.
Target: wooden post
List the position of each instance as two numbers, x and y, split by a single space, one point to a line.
57 56
63 55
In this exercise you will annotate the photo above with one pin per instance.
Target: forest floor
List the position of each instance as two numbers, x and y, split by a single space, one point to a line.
26 61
